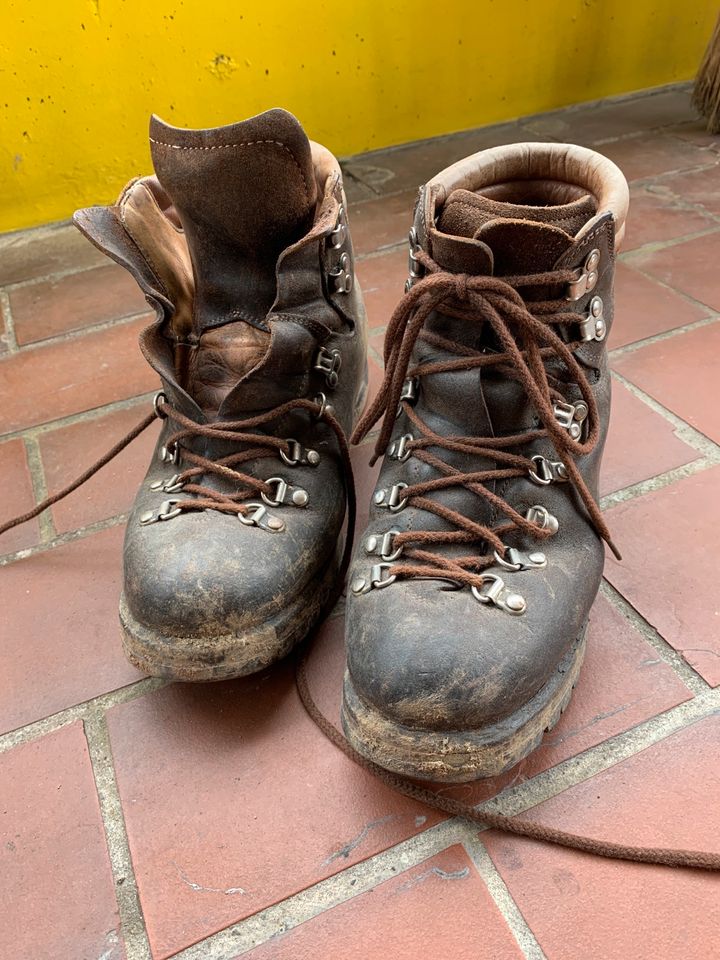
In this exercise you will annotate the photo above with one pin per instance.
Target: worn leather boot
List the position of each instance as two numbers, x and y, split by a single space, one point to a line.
241 245
471 587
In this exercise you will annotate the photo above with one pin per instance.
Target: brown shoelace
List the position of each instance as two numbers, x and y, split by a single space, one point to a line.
497 303
523 828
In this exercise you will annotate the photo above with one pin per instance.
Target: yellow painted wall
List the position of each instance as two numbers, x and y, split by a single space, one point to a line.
78 78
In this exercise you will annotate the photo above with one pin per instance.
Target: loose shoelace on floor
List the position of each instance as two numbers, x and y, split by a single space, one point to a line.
523 828
496 303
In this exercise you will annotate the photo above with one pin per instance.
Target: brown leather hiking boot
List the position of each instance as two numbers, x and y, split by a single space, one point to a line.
470 590
241 245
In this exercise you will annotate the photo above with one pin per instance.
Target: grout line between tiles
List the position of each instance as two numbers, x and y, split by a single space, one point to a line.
668 654
80 332
664 335
524 937
62 538
81 711
273 921
7 318
80 417
132 924
683 430
48 533
656 483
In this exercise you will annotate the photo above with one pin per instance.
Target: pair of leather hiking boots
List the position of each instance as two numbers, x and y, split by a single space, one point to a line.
469 591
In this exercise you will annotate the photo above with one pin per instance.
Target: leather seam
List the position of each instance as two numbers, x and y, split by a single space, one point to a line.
242 143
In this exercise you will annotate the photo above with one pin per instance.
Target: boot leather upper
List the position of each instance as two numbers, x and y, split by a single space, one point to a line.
423 653
235 245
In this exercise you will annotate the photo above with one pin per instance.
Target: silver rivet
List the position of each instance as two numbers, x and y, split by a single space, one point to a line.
600 329
313 457
592 279
358 585
538 558
370 544
157 485
378 496
147 517
581 411
275 523
515 602
575 430
596 306
300 497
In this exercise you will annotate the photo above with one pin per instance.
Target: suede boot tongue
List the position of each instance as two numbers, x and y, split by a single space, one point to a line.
243 194
523 239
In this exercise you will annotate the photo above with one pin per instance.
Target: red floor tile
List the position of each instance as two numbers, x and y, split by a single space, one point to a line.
55 882
652 154
700 187
52 307
578 905
365 480
382 279
644 308
689 267
680 372
622 683
17 497
236 801
656 215
382 222
36 253
439 908
641 444
68 451
57 379
61 637
669 542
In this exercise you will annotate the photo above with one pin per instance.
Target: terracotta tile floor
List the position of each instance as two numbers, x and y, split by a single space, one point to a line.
144 820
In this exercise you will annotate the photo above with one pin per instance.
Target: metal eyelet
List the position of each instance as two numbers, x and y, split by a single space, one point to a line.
493 591
516 560
169 453
173 485
391 500
571 416
325 406
298 455
283 495
408 394
547 471
382 546
166 511
593 327
377 581
338 235
328 362
398 449
542 518
341 276
157 399
256 515
587 277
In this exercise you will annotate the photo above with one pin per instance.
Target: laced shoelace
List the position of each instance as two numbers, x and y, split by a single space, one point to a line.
229 504
527 335
199 496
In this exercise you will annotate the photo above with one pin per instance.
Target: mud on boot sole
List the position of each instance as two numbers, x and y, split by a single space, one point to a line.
460 756
224 656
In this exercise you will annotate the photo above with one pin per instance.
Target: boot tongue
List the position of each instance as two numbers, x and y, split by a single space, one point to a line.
243 194
522 238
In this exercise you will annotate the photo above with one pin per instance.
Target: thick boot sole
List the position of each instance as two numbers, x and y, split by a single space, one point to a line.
225 656
460 756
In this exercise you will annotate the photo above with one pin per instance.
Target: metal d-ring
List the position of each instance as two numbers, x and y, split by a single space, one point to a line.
493 591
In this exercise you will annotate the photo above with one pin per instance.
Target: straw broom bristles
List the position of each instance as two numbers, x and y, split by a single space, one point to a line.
706 93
